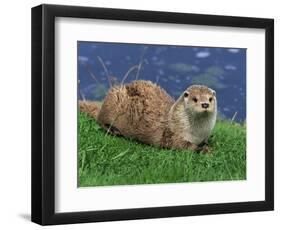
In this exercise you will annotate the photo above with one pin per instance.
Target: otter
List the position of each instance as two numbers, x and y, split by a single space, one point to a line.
143 111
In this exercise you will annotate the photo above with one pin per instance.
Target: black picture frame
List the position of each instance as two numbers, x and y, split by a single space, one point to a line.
43 114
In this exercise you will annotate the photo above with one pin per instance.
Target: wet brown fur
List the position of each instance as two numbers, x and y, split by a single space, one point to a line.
90 107
143 111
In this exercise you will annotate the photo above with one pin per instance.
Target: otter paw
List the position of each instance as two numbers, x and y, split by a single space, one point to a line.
206 150
191 146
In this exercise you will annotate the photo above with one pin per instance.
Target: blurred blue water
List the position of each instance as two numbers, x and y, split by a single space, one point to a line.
172 67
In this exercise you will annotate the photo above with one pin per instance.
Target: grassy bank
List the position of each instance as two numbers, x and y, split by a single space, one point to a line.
108 160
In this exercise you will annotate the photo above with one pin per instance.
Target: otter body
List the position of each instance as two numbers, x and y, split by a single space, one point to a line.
144 111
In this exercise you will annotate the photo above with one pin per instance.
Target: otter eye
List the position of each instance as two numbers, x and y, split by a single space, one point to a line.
210 99
194 99
185 94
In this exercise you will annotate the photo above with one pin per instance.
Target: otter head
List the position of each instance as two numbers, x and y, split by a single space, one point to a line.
200 99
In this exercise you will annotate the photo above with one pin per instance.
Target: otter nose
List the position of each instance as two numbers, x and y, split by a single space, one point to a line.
205 105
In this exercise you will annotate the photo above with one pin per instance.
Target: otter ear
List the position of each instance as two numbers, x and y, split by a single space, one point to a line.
186 94
214 92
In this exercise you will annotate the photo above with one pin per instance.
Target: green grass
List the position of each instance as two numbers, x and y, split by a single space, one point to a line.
108 160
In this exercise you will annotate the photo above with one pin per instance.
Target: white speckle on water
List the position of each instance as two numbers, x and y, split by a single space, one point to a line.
128 58
161 72
159 63
178 81
235 99
195 68
230 67
160 50
225 109
108 62
83 59
154 58
202 54
157 78
234 51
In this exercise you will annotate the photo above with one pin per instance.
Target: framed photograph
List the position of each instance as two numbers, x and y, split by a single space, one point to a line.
142 114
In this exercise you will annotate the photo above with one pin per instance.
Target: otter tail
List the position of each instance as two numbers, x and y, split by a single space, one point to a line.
92 108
